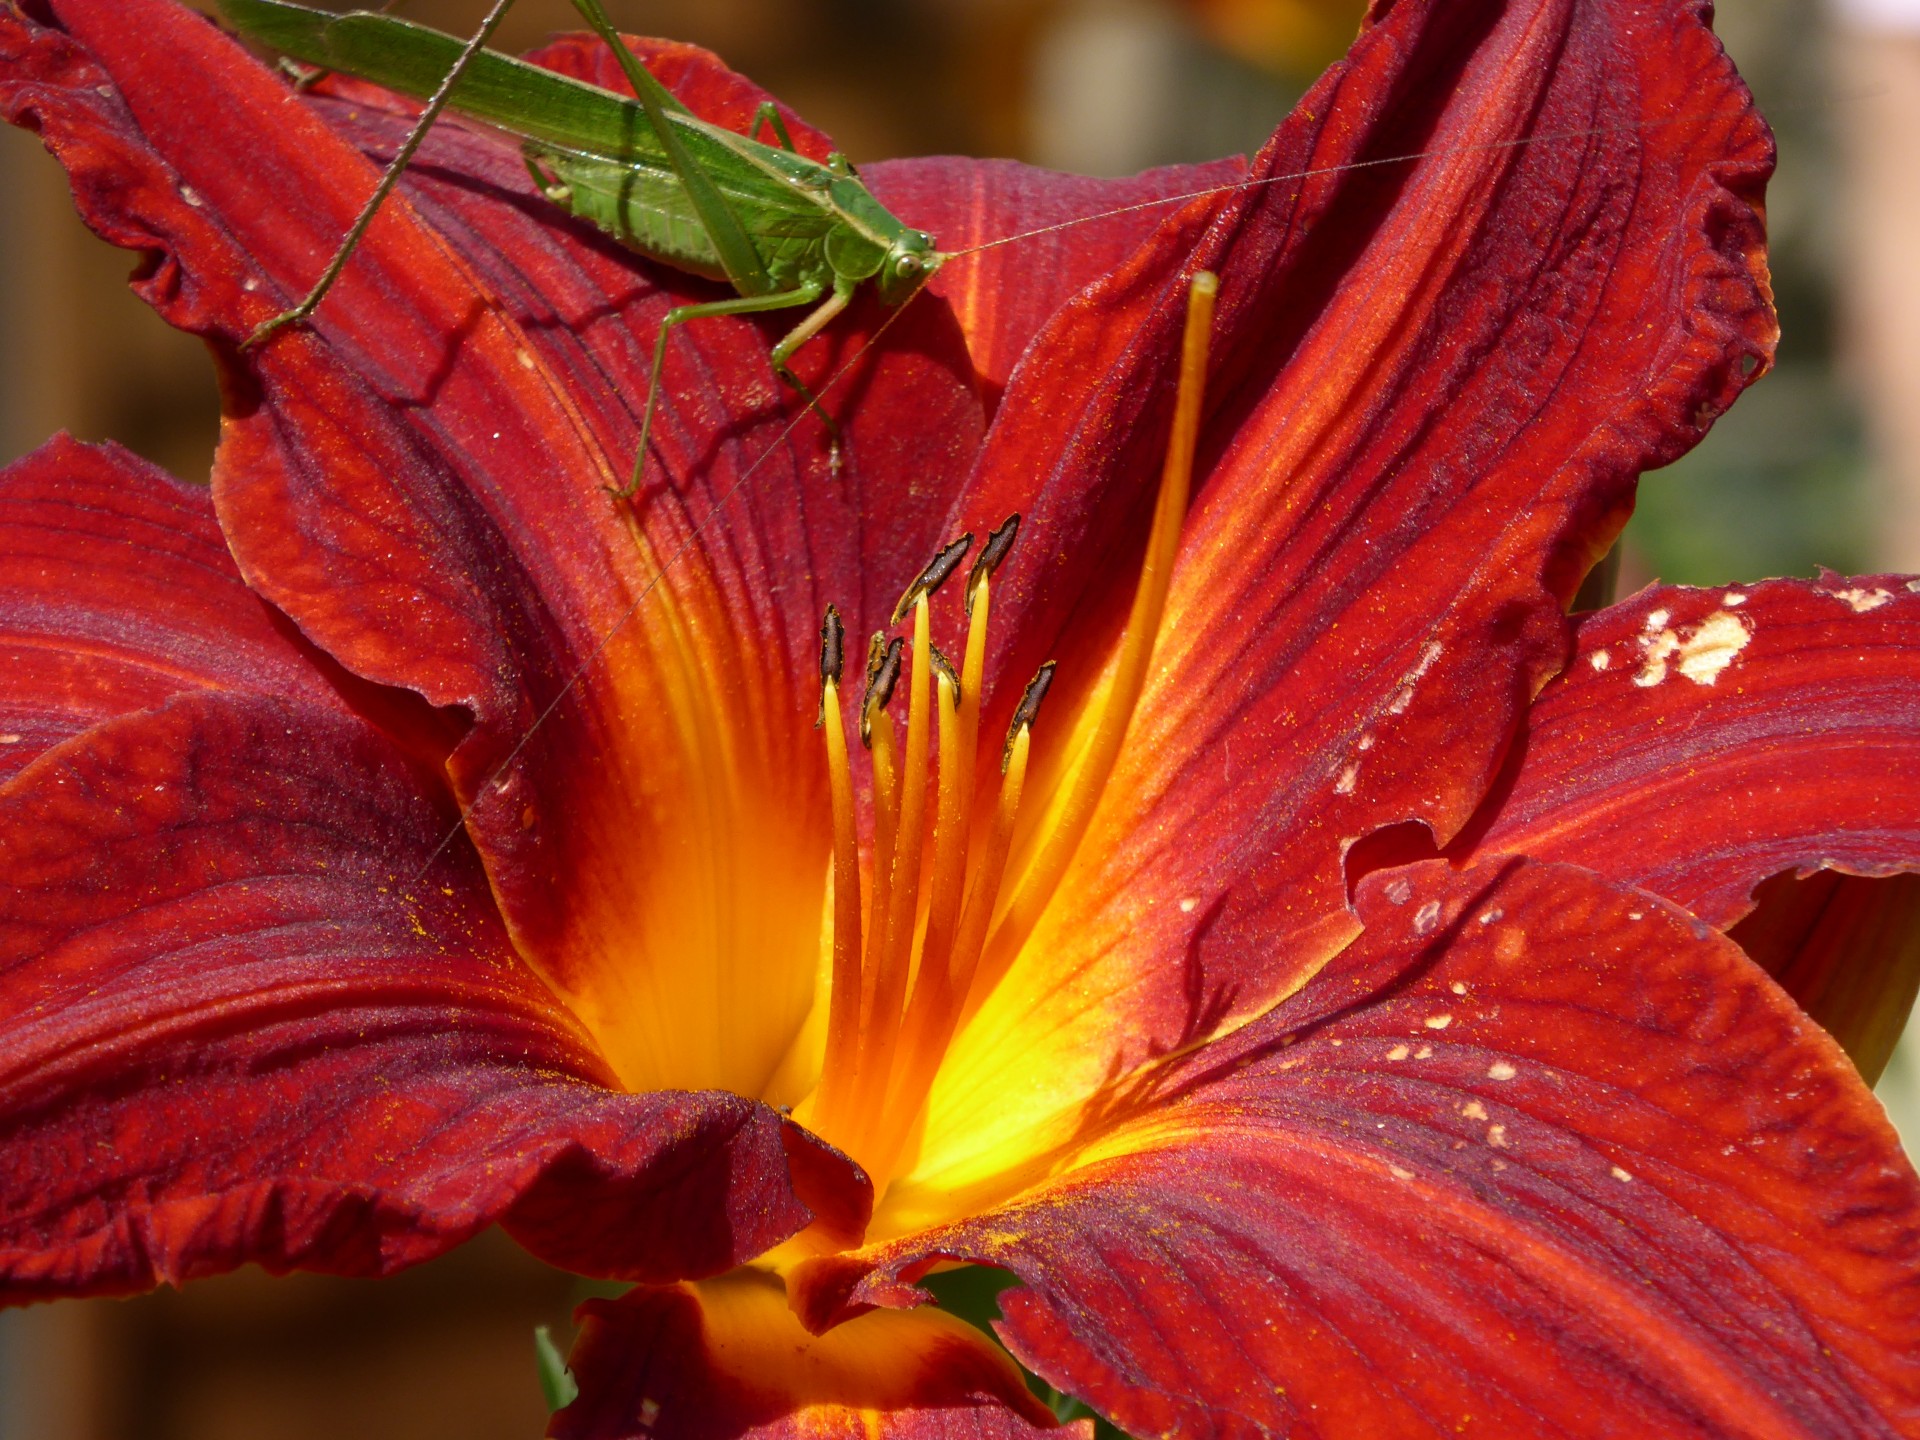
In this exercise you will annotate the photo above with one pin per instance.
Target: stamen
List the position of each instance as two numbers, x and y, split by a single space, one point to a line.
843 1014
943 670
1071 810
1026 710
991 554
930 1027
883 672
833 656
933 577
886 815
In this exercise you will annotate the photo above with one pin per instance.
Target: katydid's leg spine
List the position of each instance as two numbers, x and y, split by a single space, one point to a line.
438 102
742 305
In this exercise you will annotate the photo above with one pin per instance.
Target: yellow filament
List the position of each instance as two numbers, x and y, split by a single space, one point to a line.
926 1043
959 740
896 948
843 1016
886 813
1072 814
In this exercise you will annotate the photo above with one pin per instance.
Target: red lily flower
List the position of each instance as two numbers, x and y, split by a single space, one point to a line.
410 838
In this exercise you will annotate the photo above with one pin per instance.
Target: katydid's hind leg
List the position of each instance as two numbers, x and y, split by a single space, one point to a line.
815 322
388 179
769 115
741 305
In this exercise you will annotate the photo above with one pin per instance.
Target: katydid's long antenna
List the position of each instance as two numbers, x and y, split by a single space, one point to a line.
1518 142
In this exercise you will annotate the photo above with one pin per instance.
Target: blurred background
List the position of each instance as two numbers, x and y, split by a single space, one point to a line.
1821 465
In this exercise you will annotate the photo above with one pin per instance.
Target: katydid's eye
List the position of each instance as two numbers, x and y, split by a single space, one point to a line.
909 264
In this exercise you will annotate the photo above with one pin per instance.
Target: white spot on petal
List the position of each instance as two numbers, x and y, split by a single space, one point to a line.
1653 663
192 197
1426 917
1501 1070
1458 987
1599 659
1474 1110
1425 1052
1861 599
1622 1175
1710 648
11 739
1489 916
1657 619
1438 1022
1344 785
1733 599
1398 1052
1398 892
1364 744
1497 1136
1400 1174
1188 904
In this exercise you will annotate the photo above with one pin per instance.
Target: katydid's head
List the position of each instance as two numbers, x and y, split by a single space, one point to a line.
910 260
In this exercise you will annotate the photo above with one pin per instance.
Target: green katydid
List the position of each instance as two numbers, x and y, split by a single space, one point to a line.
782 229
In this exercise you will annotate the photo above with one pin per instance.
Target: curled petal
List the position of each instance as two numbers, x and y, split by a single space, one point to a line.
117 592
726 1360
1702 740
259 1007
1538 1155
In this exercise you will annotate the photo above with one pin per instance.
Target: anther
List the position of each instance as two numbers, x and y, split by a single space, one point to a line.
934 576
945 669
1026 711
881 679
833 646
990 556
833 655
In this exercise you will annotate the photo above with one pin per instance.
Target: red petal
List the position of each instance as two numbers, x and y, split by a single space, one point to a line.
1702 740
1434 383
1537 1156
117 592
1044 237
726 1360
258 1008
